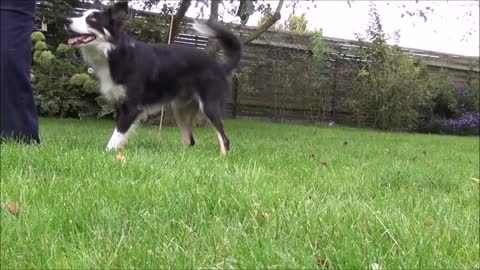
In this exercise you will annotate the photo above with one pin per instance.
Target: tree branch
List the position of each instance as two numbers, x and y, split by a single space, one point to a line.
267 24
212 47
178 18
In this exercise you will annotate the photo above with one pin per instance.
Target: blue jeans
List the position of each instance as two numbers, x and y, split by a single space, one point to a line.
18 118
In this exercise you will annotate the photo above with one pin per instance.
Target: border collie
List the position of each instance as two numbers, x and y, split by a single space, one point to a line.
139 78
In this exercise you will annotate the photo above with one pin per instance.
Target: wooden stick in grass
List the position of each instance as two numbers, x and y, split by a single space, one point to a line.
162 112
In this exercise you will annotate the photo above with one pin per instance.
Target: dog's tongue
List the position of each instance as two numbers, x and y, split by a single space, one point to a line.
80 39
72 41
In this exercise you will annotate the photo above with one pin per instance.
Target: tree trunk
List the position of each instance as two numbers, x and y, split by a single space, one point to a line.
267 24
178 18
212 47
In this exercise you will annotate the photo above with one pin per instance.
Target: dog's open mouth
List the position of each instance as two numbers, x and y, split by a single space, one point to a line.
81 39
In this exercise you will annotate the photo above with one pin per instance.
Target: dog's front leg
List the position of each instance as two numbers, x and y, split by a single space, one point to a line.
126 123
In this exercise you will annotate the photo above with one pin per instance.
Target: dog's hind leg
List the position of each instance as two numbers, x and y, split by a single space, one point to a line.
126 123
213 111
184 113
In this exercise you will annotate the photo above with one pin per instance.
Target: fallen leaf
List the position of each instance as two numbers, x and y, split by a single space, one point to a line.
13 209
323 262
120 157
475 180
309 200
429 222
265 216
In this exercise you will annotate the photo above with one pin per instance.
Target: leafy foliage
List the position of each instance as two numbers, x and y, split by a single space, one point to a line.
472 96
265 17
61 86
319 48
444 94
297 24
149 29
391 87
53 13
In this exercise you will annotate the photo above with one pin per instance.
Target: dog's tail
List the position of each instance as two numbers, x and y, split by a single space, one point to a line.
230 43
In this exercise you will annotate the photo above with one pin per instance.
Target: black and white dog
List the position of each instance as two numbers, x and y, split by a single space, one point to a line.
138 78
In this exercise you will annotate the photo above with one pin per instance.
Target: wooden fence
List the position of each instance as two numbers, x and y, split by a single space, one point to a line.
278 82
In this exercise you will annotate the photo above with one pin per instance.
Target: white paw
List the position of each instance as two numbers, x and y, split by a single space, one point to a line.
116 141
111 147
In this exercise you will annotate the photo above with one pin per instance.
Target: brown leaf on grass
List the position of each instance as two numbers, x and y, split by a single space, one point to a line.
309 200
429 222
120 157
13 209
323 262
475 180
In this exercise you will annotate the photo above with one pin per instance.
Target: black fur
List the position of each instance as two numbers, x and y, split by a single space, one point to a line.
161 74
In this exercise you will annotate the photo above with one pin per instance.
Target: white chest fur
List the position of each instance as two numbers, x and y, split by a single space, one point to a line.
96 56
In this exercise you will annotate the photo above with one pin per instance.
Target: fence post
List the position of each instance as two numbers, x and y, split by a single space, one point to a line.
235 96
333 115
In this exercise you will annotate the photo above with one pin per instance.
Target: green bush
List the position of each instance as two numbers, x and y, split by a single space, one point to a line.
36 57
40 46
46 58
391 87
79 79
64 49
90 86
472 96
62 86
444 94
37 36
142 29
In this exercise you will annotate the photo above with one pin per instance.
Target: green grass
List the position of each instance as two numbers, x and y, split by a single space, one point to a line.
286 197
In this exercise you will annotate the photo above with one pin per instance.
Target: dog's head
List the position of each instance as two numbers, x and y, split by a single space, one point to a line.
96 26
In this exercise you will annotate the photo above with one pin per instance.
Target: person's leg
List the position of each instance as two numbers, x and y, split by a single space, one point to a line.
18 117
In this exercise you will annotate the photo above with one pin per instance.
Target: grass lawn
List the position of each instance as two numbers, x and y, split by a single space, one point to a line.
287 197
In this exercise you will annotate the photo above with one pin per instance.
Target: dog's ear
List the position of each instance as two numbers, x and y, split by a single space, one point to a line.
119 11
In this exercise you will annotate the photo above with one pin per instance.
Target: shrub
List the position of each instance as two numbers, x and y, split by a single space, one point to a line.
297 24
79 79
36 57
472 96
40 46
467 124
46 58
444 95
318 48
37 36
90 86
391 87
64 49
62 87
142 29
